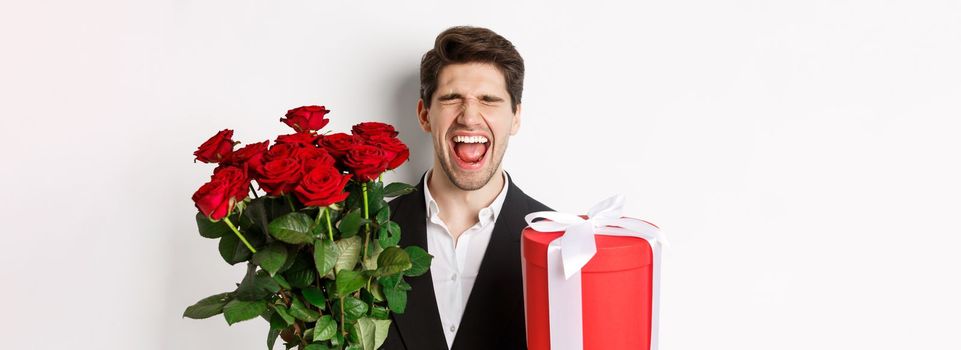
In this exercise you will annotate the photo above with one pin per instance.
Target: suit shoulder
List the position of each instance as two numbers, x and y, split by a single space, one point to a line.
536 205
400 200
532 204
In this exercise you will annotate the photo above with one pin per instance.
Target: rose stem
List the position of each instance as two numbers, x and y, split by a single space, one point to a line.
291 202
366 218
342 330
330 233
325 212
234 228
330 230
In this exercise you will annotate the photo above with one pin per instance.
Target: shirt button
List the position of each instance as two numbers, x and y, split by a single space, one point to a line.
453 278
452 328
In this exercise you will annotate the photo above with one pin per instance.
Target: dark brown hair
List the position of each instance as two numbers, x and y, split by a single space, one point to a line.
468 45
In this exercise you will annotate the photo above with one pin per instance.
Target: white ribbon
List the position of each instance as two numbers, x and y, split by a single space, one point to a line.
567 254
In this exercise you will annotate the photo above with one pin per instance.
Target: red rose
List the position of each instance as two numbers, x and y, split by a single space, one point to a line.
306 118
217 148
371 129
250 157
338 144
216 199
300 139
322 186
280 176
309 157
366 162
395 149
280 151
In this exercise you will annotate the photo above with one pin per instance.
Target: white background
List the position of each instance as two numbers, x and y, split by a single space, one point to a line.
803 157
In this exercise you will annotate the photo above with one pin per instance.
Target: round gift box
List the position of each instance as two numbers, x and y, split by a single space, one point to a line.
616 289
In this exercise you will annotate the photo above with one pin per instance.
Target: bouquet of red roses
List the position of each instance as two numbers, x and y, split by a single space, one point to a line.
323 265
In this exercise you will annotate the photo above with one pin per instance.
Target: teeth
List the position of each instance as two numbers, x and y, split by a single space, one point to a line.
470 139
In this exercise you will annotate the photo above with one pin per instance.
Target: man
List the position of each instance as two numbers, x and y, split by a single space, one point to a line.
467 212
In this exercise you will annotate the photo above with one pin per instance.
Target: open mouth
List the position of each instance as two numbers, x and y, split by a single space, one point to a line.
470 152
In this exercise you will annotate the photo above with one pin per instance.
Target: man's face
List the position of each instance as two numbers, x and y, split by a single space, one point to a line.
470 121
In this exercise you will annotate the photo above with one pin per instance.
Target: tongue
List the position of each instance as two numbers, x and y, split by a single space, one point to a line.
470 152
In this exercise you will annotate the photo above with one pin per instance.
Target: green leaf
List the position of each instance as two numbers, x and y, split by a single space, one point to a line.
354 308
293 254
319 231
315 297
371 262
325 329
376 291
383 215
351 222
325 256
402 285
261 210
389 282
268 314
392 260
337 341
301 278
272 338
210 229
317 346
256 286
301 312
232 250
293 228
396 299
388 235
356 198
349 281
419 259
209 306
276 321
382 327
239 310
283 314
282 281
301 273
271 258
380 312
398 188
396 294
363 333
349 253
375 196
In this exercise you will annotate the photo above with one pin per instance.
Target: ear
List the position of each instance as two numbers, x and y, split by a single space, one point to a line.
422 115
516 124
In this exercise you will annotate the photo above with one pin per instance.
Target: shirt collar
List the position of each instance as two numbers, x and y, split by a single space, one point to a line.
486 215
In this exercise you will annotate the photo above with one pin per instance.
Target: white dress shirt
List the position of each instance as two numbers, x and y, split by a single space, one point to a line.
454 267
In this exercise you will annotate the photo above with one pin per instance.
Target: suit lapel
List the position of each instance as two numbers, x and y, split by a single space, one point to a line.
420 325
497 289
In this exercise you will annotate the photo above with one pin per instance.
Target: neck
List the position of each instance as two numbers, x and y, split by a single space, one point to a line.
456 201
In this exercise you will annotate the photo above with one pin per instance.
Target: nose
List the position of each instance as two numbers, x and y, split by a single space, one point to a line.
471 113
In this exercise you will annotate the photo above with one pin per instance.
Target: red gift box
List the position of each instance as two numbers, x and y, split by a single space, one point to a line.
617 292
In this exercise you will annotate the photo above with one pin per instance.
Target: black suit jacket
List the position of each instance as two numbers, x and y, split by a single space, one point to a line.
494 315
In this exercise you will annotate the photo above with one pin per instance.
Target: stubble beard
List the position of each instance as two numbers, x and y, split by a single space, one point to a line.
467 184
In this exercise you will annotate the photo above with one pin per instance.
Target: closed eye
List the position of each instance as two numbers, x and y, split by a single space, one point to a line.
452 97
491 99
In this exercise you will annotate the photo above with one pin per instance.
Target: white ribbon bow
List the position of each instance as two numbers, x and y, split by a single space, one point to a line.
567 254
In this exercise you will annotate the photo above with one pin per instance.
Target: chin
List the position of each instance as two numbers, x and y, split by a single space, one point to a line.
469 180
